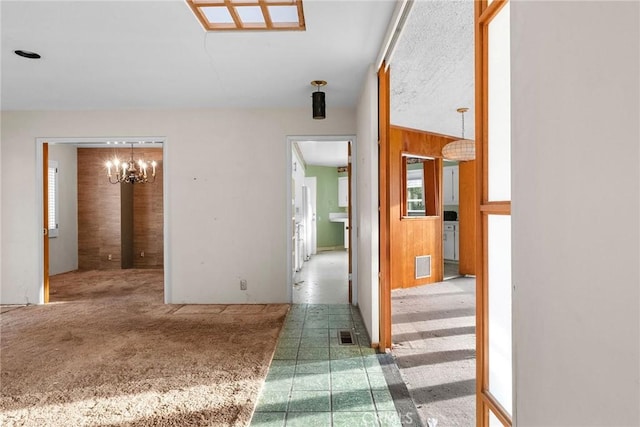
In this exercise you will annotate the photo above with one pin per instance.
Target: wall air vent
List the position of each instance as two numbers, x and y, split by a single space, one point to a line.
423 266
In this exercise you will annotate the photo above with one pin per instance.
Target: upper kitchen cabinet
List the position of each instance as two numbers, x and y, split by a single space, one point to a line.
343 191
450 185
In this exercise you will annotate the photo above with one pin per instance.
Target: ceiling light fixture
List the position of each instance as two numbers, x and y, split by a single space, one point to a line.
127 172
27 54
461 149
318 104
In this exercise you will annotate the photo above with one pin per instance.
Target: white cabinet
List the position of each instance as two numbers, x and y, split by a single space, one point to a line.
343 191
450 241
450 185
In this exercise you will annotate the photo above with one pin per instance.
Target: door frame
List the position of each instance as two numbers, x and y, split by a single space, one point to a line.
43 293
353 226
486 403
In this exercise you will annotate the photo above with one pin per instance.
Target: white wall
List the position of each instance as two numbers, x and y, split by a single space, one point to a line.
226 189
367 203
576 196
63 249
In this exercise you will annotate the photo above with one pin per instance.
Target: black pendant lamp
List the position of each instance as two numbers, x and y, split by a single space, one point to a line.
318 104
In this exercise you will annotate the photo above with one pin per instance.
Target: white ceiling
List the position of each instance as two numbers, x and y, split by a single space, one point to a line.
432 68
324 153
154 54
142 54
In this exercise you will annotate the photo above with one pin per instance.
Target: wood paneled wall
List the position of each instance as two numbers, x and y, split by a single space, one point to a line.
419 236
467 217
416 236
148 218
99 225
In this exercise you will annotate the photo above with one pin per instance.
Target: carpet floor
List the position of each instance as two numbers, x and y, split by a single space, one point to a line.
107 352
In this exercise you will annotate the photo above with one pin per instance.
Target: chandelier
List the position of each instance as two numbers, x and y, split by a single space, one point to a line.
131 172
461 149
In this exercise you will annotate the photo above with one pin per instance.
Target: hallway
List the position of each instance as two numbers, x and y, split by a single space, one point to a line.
323 279
318 379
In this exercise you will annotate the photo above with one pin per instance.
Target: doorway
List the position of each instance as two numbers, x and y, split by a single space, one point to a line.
321 217
75 212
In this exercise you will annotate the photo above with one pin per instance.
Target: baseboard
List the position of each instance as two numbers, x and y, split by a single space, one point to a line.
330 248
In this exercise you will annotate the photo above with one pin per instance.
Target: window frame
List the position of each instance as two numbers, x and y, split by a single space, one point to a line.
53 199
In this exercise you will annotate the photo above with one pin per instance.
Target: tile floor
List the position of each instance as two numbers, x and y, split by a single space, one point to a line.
324 279
314 380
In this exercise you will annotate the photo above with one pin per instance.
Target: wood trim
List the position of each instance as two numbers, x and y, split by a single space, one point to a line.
234 14
496 208
265 12
482 415
490 11
494 406
485 402
45 218
383 207
302 24
424 132
467 217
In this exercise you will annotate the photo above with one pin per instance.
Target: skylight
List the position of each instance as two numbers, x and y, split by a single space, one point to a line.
267 15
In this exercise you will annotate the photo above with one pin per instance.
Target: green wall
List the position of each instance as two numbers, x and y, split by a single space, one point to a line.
329 233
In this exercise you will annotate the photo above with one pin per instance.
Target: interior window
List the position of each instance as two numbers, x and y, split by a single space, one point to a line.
420 191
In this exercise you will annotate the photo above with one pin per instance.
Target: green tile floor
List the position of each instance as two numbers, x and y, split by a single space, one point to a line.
316 381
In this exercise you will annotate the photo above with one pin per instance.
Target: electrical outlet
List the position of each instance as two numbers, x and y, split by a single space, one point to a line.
142 254
243 285
109 257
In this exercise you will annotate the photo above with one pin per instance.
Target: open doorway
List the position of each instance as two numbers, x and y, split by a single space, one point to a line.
93 223
322 191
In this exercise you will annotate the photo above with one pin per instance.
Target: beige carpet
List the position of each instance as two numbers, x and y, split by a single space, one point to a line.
108 352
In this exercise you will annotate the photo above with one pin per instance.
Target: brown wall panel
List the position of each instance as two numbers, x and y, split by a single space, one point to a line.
417 236
148 218
99 224
467 217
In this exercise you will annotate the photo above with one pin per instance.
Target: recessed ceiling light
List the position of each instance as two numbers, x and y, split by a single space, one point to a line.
27 54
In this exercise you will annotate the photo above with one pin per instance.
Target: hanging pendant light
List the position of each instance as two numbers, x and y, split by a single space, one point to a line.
461 149
318 104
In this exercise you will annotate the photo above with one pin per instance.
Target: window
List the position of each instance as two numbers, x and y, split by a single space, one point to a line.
420 186
415 193
53 199
220 15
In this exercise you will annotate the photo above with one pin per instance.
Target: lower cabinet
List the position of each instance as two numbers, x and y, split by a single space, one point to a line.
450 243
